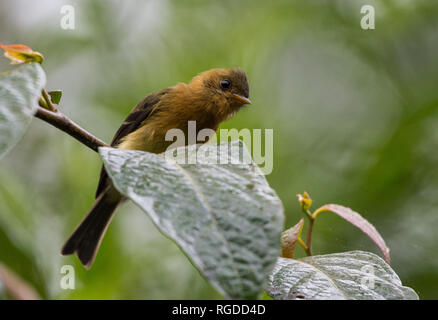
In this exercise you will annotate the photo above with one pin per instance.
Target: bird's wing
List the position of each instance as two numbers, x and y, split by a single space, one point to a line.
132 122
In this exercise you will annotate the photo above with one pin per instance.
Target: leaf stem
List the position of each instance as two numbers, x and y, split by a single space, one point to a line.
48 100
312 217
42 103
305 247
309 235
318 211
60 121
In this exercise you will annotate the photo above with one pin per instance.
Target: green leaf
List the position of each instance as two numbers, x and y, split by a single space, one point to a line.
55 96
225 217
354 275
20 90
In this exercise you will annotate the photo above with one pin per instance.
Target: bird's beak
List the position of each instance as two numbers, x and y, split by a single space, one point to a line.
241 99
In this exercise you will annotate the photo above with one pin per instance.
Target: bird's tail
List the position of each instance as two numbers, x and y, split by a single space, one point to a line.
85 240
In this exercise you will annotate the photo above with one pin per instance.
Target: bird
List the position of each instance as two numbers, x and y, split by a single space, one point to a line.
210 98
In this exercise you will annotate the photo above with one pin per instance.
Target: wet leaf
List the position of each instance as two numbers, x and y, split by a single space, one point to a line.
360 222
20 90
19 53
353 275
225 217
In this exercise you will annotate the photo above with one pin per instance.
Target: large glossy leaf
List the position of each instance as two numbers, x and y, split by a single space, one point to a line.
19 93
350 275
225 217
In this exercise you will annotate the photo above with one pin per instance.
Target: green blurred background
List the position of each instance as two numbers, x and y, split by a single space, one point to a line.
354 113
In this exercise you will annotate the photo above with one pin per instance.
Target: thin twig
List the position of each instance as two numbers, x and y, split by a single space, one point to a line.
309 236
305 247
60 121
312 217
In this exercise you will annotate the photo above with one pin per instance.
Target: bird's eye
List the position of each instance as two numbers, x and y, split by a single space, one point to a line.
225 84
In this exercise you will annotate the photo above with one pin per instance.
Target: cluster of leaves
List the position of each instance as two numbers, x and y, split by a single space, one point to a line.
225 217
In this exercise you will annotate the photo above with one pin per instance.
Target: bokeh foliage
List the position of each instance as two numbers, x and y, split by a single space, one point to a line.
354 113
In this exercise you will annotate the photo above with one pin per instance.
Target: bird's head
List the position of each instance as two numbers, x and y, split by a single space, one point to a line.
226 88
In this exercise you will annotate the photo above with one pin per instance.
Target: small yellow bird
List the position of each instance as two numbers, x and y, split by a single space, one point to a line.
210 98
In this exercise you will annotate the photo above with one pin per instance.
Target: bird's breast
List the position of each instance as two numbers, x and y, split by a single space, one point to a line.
167 126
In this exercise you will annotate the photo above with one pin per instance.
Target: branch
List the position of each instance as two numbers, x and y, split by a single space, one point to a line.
60 121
